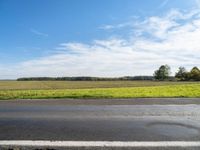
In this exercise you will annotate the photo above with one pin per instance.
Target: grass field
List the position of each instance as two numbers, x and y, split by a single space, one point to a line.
100 89
52 85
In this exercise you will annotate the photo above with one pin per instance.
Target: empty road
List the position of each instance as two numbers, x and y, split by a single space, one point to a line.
150 120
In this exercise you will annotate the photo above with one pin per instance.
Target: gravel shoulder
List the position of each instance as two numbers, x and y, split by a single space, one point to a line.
136 101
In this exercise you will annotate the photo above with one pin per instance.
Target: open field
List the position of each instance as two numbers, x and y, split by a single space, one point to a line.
160 90
52 85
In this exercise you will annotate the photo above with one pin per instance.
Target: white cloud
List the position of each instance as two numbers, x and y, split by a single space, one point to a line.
36 32
170 39
120 25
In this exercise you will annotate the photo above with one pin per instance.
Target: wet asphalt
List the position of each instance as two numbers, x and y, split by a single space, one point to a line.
101 120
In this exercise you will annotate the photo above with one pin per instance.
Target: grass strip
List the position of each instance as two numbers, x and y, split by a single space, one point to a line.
188 90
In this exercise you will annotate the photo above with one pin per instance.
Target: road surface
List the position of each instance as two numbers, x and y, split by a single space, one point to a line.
134 120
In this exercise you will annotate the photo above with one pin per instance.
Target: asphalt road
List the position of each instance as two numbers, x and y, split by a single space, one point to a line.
101 120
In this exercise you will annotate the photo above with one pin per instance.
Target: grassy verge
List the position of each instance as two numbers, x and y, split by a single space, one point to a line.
187 90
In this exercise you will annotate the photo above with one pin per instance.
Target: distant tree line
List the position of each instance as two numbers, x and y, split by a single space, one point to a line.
162 74
86 78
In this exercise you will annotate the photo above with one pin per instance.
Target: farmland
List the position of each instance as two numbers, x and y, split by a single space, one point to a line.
96 89
54 85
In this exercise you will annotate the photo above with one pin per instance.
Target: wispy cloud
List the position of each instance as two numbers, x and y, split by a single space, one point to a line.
198 3
171 39
129 23
163 4
36 32
106 27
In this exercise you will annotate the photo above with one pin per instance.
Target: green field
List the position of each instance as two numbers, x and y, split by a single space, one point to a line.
96 89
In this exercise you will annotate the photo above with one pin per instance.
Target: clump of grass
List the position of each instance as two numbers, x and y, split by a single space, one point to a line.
187 90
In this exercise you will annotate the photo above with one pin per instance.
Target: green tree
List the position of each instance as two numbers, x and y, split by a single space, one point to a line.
182 74
195 74
162 73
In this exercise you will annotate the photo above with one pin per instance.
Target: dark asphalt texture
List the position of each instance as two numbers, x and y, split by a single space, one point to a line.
101 120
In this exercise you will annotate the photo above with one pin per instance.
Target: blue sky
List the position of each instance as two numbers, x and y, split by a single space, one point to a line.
97 37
